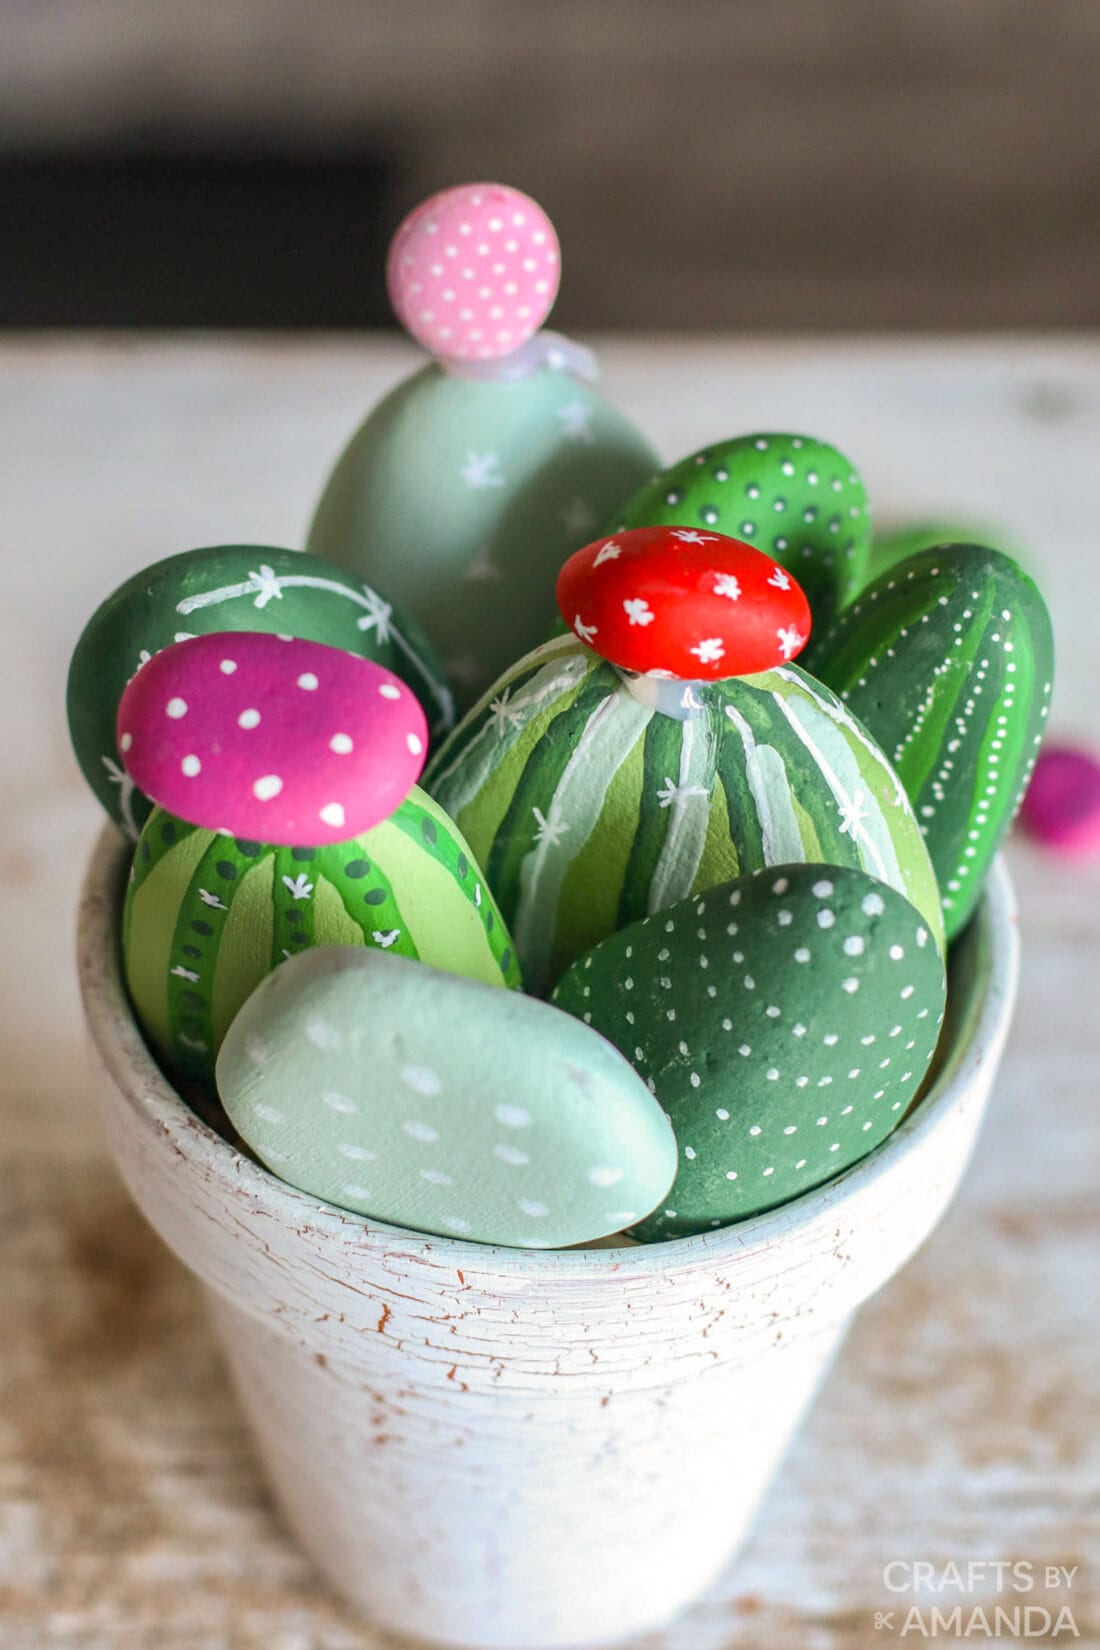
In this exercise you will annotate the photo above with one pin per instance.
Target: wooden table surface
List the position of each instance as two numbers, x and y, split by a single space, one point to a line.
961 1422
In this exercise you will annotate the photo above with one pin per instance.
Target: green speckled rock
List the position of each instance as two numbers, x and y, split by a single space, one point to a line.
948 659
229 587
588 809
784 1020
799 499
435 1103
208 916
462 498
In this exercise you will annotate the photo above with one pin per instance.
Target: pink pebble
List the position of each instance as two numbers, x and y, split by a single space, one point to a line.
473 271
1062 805
271 738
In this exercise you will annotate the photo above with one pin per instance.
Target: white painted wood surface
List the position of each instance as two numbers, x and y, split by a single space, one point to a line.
959 1422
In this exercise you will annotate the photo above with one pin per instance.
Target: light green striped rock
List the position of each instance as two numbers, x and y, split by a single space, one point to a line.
949 659
588 810
208 916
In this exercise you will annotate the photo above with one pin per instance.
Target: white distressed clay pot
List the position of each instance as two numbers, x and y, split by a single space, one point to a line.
497 1447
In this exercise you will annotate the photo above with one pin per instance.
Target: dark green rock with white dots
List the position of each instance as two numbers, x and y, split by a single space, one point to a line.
784 1021
208 916
948 659
799 499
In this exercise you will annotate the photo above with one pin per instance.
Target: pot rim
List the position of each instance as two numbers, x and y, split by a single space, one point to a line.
978 1033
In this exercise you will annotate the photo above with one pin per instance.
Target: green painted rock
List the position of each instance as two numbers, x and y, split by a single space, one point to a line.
799 499
438 1104
463 498
897 543
229 587
784 1021
948 660
208 916
588 809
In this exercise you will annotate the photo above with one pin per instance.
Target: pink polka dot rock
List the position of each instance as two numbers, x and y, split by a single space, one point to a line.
473 271
268 737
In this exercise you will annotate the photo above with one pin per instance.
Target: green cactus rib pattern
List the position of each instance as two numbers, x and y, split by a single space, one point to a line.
948 659
208 916
799 499
589 810
784 1021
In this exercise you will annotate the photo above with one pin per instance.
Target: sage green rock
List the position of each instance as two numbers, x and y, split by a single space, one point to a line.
439 1104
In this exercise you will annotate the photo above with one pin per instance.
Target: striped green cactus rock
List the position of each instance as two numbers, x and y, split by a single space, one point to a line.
948 659
799 499
208 916
589 809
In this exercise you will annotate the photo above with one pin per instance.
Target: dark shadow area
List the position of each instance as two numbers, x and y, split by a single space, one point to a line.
122 238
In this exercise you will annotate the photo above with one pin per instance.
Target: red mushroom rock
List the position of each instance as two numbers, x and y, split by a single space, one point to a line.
272 738
675 602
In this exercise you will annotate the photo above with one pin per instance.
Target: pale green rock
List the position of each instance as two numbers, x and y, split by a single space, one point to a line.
464 497
442 1105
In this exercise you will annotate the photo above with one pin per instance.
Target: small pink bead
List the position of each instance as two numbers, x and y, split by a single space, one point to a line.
1062 805
473 271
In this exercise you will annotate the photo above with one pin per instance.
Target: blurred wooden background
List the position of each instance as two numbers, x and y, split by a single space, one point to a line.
816 164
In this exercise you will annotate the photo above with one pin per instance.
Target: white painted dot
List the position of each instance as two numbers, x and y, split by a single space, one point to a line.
269 1114
268 787
414 743
190 766
744 1049
755 1130
389 690
322 1034
792 1128
722 1114
332 814
784 919
689 1153
307 681
825 919
125 742
511 1155
455 1223
416 1130
513 1117
436 1177
853 946
355 1154
605 1176
897 952
228 666
772 1074
248 719
872 905
339 1102
802 955
830 1039
175 708
768 1171
822 890
422 1078
342 744
731 1174
906 991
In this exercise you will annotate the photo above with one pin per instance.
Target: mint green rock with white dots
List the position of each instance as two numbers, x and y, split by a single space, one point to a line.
784 1020
799 499
440 1104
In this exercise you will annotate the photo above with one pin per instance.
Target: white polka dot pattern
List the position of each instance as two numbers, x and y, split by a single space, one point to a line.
473 271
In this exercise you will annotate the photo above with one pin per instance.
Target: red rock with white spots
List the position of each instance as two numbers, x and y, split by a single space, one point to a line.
272 738
473 271
677 602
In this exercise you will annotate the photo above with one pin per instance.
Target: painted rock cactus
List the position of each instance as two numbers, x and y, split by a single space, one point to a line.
473 271
672 602
798 499
948 660
468 485
228 587
208 916
784 1020
436 1103
589 809
273 737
